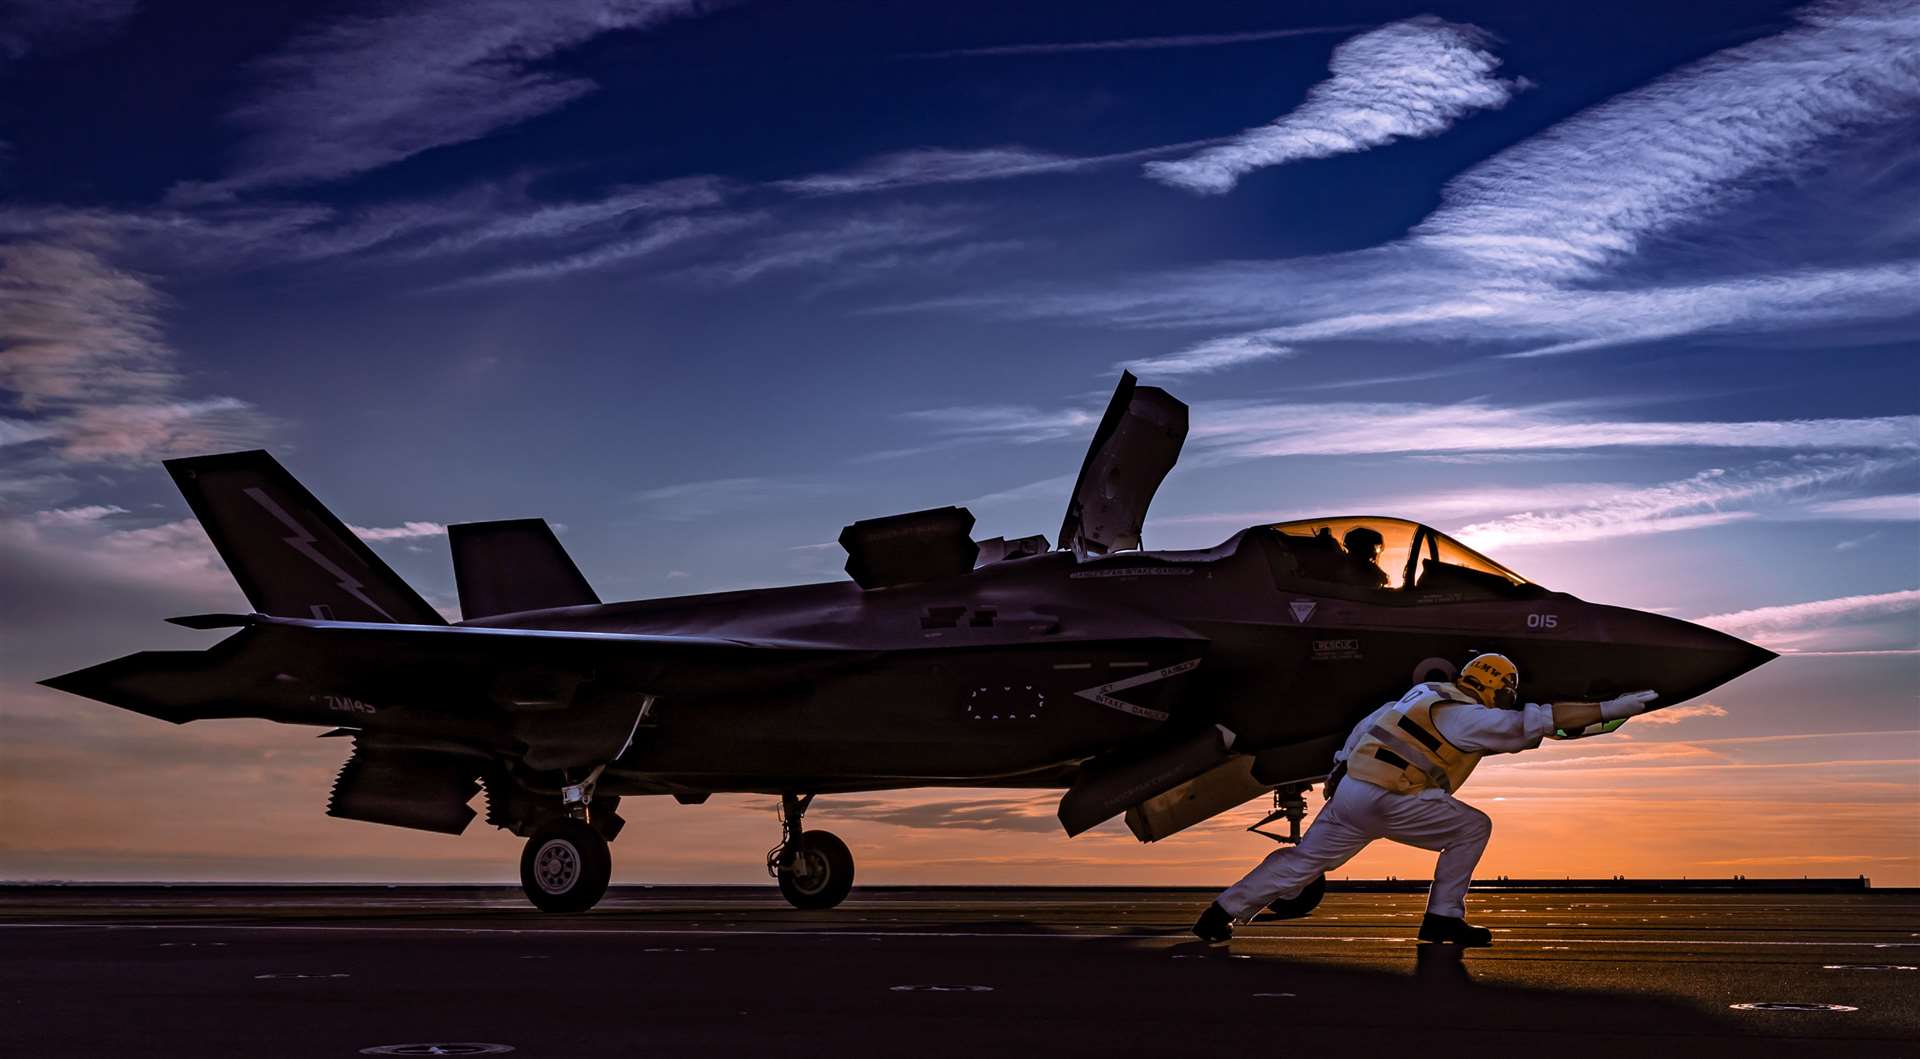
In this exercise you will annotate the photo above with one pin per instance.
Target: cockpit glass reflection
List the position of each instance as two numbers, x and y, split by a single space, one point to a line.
1392 555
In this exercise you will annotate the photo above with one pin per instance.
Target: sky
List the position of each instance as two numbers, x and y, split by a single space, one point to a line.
1625 295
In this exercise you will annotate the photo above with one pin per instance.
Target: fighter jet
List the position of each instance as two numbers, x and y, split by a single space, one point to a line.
1165 686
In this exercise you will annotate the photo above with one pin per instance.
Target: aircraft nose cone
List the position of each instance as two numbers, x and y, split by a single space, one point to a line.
1679 659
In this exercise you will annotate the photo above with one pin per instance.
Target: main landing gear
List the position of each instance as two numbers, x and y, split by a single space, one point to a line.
814 868
566 865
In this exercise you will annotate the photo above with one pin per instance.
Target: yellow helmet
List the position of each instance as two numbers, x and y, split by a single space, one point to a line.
1493 679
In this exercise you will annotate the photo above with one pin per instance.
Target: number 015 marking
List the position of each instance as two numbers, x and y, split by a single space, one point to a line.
1543 621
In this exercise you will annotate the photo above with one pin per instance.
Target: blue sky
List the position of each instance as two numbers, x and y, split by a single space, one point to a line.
1628 296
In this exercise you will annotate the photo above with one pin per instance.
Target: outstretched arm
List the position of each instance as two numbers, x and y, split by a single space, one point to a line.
1485 730
1573 716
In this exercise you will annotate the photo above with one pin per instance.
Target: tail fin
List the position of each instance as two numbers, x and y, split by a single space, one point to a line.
292 557
514 565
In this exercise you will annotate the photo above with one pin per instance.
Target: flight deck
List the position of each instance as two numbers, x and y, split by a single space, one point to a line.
686 971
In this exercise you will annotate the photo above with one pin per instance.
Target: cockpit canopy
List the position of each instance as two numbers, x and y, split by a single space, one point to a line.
1389 555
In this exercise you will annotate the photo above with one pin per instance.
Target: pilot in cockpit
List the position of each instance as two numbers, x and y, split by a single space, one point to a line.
1363 552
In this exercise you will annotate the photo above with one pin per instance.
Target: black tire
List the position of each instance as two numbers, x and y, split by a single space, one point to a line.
819 873
1309 899
565 866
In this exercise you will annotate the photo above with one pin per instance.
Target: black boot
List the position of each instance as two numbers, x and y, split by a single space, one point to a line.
1450 930
1214 924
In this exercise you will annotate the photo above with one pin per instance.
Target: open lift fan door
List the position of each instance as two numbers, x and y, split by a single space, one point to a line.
406 788
1137 443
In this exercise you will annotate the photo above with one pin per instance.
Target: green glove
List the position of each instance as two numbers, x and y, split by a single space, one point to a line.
1601 728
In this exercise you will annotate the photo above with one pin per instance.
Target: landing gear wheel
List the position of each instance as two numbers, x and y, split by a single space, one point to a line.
1309 899
819 871
566 866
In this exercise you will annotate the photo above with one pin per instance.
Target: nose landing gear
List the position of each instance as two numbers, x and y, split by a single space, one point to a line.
814 868
1290 804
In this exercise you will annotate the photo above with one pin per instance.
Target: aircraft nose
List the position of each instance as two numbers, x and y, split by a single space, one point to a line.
1676 658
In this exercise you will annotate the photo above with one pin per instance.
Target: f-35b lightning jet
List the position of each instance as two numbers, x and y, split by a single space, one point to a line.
1168 686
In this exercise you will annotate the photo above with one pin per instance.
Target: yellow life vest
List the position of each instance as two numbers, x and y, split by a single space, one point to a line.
1404 751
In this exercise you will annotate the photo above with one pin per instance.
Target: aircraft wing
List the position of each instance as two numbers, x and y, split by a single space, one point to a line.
569 698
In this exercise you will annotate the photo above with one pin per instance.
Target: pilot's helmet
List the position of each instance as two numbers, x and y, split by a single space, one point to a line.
1493 679
1363 541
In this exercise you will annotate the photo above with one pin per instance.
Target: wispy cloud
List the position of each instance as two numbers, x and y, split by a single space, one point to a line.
1054 489
365 91
1569 512
502 224
86 364
81 548
693 501
233 235
1410 292
928 166
1854 542
1411 79
74 324
912 259
932 165
1258 429
838 240
1897 507
404 531
549 221
1212 355
138 431
1692 711
1530 251
1710 498
1227 431
1587 191
1435 508
652 241
1019 424
1190 40
1826 625
21 432
1820 611
77 516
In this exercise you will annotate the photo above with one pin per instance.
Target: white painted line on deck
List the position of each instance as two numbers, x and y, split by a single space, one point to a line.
1168 935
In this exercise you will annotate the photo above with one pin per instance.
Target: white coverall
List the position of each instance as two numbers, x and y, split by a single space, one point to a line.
1428 819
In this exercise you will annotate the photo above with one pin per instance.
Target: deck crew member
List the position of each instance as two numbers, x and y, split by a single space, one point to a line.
1397 777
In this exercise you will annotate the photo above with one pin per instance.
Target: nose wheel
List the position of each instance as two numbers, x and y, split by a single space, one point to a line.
814 868
566 866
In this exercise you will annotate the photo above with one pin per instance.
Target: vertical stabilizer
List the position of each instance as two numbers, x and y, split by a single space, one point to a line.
292 557
513 565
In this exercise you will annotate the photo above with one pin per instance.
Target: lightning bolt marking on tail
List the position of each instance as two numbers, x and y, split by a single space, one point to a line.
303 541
